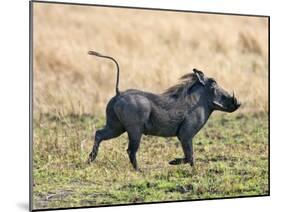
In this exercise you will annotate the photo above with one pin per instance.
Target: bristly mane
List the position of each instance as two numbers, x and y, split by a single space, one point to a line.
181 89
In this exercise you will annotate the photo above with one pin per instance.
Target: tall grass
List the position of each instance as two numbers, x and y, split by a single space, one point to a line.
153 49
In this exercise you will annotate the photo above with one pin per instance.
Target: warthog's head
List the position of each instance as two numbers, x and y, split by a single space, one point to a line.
218 98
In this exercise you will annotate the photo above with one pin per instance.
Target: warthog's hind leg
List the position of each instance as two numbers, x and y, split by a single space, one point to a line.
134 135
101 135
94 152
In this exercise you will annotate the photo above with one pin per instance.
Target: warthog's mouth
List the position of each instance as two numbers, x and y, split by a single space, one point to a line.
232 105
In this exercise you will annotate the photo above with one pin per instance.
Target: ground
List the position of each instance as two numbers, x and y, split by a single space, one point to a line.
231 159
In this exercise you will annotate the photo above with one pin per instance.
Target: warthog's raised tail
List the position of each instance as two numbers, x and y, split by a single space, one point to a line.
111 58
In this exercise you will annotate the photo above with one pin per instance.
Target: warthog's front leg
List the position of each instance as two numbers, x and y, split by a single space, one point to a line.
188 153
187 131
187 147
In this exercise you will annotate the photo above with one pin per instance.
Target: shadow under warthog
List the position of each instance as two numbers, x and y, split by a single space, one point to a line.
180 111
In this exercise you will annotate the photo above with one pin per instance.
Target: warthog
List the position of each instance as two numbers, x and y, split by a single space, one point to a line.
182 110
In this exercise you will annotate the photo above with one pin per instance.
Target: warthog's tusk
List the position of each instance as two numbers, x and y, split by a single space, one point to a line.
233 98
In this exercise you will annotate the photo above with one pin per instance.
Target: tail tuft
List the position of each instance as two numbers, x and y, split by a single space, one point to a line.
94 53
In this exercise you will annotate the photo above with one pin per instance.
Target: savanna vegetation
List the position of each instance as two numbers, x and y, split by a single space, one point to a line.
71 90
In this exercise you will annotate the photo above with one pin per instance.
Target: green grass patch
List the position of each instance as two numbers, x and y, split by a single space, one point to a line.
231 159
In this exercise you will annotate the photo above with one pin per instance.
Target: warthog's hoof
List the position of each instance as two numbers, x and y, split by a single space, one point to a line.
138 170
89 161
178 161
91 158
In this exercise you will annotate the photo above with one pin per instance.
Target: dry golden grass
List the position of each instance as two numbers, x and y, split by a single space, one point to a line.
154 48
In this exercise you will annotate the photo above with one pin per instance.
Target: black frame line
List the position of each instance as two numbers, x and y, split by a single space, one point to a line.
30 106
31 103
147 8
268 57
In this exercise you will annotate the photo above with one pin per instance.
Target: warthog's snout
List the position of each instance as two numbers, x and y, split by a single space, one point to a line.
235 104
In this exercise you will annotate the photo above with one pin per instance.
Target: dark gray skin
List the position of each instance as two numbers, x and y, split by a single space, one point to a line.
181 111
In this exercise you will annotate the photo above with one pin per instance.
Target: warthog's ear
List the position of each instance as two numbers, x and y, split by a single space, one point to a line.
200 76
